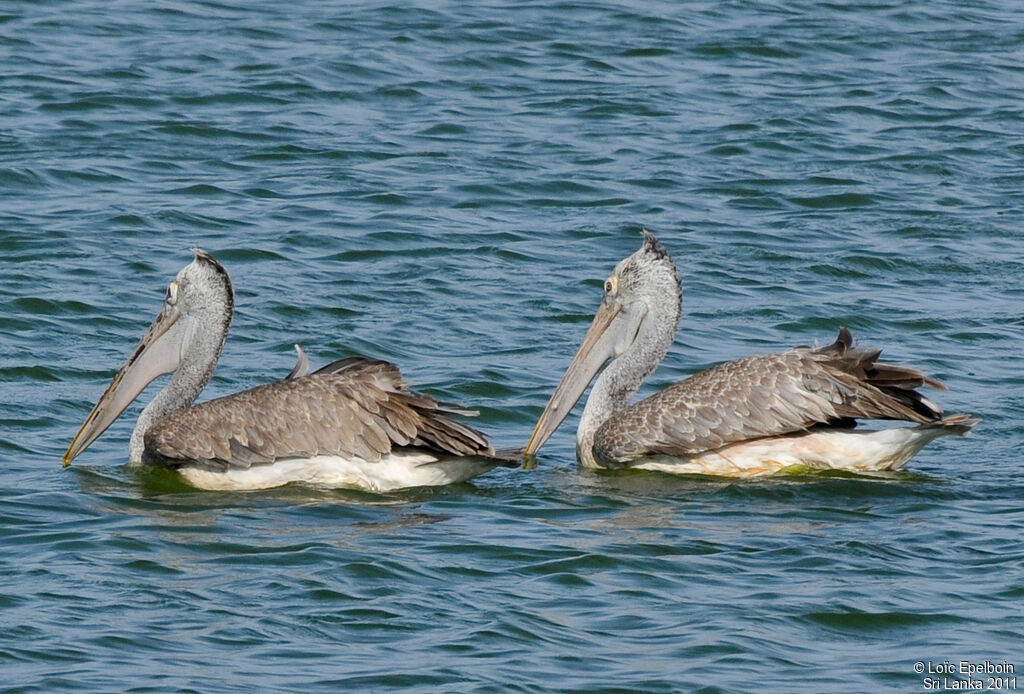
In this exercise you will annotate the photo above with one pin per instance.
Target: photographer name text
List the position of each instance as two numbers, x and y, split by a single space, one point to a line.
966 675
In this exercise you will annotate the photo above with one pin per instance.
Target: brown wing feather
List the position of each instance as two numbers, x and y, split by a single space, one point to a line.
766 395
354 408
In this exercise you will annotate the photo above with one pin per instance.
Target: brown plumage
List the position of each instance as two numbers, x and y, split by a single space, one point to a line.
353 408
766 395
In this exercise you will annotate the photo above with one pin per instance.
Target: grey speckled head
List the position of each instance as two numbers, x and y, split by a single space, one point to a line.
203 285
648 273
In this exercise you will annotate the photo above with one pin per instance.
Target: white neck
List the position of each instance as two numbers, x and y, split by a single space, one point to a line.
197 366
615 387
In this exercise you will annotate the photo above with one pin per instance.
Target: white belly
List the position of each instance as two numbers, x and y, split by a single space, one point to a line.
829 449
397 470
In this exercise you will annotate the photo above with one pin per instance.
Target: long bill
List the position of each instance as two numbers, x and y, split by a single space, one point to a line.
158 353
597 348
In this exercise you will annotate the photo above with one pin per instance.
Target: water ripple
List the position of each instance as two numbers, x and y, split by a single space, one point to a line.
447 187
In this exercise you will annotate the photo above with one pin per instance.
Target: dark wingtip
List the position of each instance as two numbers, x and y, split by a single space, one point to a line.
509 457
960 424
843 343
357 361
845 338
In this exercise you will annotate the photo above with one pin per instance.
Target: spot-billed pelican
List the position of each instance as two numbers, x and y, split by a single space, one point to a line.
747 417
353 423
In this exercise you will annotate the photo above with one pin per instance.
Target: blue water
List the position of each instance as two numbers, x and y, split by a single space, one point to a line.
446 186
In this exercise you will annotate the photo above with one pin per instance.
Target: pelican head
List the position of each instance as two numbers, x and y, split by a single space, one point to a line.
186 338
634 328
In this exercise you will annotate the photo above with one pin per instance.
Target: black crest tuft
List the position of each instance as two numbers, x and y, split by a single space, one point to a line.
653 245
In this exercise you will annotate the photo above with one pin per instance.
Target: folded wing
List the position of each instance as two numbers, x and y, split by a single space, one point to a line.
766 395
355 408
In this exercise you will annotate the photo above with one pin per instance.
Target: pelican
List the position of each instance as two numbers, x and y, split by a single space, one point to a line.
752 416
352 423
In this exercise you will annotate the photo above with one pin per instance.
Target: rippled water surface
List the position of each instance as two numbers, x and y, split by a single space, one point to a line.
445 185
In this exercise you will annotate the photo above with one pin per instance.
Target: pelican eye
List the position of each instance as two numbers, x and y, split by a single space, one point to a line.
172 293
611 285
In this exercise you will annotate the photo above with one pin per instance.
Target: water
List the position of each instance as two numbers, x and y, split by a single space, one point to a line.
447 187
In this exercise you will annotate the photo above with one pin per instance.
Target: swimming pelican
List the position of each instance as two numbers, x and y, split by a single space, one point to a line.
353 423
747 417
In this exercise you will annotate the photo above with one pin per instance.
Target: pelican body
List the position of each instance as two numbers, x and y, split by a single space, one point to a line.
752 416
353 423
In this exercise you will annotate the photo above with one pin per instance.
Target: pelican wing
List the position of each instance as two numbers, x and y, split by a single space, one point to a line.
766 395
355 408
